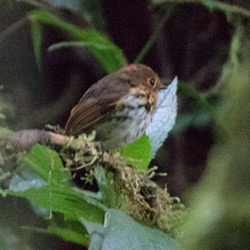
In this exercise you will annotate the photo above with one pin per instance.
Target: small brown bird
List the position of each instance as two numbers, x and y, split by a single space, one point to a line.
119 107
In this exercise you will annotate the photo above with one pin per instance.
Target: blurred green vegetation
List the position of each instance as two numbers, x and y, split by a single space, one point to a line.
221 205
213 99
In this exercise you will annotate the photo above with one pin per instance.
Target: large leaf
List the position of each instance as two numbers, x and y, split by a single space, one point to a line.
66 233
164 118
47 164
59 199
122 232
53 190
110 61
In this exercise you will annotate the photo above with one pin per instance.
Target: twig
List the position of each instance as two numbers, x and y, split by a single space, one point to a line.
13 28
153 38
84 165
21 23
214 4
57 138
36 4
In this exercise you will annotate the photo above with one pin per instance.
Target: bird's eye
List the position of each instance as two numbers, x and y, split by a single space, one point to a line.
152 81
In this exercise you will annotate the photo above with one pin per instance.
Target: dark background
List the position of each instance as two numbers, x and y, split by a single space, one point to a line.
193 44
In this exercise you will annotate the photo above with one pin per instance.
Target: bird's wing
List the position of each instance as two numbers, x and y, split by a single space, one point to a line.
85 115
96 105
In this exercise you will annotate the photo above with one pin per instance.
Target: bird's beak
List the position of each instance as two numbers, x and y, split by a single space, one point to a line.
162 86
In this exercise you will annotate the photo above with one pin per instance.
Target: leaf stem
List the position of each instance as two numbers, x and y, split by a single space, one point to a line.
36 4
153 37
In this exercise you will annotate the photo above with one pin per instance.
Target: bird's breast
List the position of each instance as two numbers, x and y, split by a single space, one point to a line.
128 121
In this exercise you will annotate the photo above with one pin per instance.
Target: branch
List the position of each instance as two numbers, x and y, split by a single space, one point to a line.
25 139
13 28
213 4
153 38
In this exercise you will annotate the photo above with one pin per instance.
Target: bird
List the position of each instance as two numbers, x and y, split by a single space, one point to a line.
119 107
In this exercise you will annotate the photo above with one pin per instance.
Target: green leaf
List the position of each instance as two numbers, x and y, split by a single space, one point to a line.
90 45
47 164
37 39
69 235
97 46
53 191
66 233
122 232
110 61
137 153
60 199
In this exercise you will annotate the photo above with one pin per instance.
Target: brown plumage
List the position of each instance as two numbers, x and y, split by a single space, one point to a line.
110 106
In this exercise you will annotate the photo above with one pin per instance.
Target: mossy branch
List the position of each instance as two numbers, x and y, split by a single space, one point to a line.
136 194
